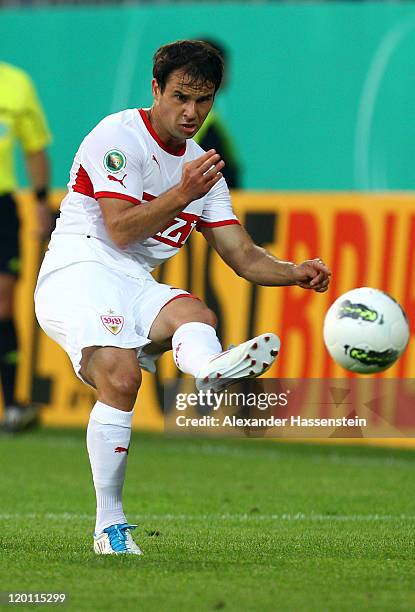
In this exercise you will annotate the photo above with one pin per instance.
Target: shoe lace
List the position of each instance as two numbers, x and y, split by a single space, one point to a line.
118 535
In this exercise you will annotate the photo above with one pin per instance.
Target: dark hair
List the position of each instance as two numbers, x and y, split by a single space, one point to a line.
201 63
216 45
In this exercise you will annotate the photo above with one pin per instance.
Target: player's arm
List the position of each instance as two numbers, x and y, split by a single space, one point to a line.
127 222
255 264
37 164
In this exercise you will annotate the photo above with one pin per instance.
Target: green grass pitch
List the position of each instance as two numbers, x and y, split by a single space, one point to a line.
224 525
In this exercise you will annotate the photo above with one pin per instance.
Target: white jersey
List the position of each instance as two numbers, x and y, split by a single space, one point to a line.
123 157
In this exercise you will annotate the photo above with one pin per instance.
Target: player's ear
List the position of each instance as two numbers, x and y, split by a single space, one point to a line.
155 89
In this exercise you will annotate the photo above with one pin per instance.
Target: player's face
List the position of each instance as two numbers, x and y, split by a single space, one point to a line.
181 108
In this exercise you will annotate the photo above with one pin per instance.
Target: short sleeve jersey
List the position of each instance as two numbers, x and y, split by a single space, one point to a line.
21 119
123 158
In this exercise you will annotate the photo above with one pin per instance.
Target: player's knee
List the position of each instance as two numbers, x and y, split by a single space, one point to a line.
209 317
125 382
114 372
199 313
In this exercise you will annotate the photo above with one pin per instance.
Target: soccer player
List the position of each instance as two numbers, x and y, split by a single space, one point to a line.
138 186
22 120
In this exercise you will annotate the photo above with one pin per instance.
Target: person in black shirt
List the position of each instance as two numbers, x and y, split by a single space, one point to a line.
215 135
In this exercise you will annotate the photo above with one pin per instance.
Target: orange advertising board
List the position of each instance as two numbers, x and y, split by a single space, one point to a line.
366 239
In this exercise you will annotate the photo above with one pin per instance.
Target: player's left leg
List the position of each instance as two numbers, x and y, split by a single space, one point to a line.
187 322
197 351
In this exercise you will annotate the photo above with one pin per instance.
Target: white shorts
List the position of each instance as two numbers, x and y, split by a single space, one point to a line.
87 304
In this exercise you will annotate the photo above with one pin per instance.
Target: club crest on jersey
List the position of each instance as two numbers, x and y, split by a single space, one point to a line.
113 323
114 161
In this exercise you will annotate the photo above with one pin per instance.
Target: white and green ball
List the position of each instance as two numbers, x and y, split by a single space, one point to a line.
366 330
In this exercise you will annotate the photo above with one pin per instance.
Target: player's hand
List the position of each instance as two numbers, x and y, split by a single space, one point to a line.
312 274
200 175
45 221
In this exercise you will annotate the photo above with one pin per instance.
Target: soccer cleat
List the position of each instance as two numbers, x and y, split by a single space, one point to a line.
116 540
247 360
19 418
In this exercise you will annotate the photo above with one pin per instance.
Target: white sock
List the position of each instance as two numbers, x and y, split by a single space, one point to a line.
108 439
193 344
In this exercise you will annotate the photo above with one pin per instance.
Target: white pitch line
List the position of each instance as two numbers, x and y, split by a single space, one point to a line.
252 517
266 451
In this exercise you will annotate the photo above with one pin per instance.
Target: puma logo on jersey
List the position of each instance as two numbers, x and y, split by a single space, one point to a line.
154 158
113 178
121 449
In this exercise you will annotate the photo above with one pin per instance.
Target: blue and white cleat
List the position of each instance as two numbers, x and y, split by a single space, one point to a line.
247 360
116 540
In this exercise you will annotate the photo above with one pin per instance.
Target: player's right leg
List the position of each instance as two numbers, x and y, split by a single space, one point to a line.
115 374
86 309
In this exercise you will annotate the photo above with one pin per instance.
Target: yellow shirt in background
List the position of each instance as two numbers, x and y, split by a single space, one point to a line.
21 118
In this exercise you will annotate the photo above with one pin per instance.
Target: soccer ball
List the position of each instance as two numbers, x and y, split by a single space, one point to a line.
366 330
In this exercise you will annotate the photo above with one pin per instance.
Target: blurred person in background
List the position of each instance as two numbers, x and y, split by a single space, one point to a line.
215 135
21 119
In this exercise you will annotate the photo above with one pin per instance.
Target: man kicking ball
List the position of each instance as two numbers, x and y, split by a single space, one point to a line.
138 187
